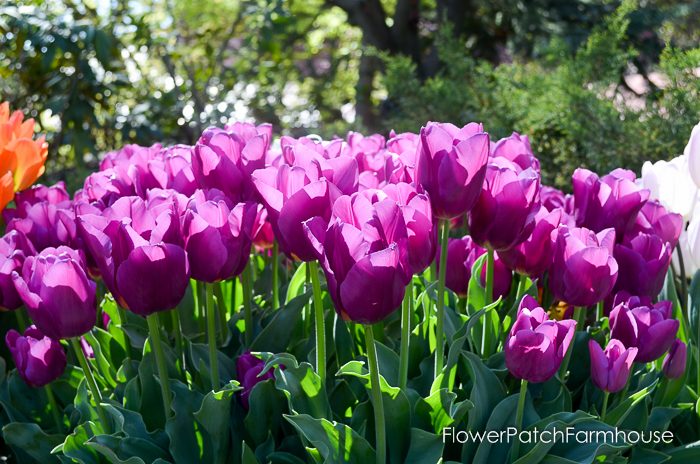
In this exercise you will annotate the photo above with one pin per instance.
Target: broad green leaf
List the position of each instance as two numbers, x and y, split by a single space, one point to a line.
30 439
621 411
304 389
426 448
296 284
336 443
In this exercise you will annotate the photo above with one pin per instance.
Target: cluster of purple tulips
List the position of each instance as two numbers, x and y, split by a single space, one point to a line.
372 213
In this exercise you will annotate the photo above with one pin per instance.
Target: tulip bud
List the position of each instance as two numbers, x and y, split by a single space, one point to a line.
39 359
675 360
610 369
249 368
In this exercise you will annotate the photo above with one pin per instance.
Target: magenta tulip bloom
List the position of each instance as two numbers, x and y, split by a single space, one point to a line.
504 214
58 294
649 328
134 248
462 253
516 148
553 198
291 195
46 225
249 368
583 270
534 256
14 248
39 359
451 166
105 187
610 201
675 361
643 262
364 255
610 369
54 195
654 219
536 345
218 239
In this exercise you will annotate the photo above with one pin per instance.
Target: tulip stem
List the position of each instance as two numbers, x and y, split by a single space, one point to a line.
54 407
92 385
247 304
157 347
578 310
222 310
177 331
490 263
211 337
515 451
22 323
406 311
604 410
444 227
275 276
598 311
320 324
376 391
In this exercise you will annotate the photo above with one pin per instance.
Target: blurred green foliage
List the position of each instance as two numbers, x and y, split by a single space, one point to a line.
98 74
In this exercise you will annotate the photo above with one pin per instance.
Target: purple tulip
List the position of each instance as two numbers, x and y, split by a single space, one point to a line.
58 294
462 253
364 254
643 263
674 362
583 270
649 328
654 219
249 368
46 225
291 195
553 198
418 216
218 239
130 154
134 246
179 175
451 166
504 214
39 359
14 248
105 187
54 195
516 149
536 346
610 201
534 256
610 369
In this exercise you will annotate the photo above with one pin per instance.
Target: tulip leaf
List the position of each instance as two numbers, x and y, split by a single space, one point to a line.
126 450
296 284
440 410
214 417
304 390
266 406
74 445
618 415
27 439
336 443
694 308
277 334
648 456
426 448
684 454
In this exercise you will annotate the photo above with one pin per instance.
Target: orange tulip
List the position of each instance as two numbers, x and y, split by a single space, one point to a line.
21 157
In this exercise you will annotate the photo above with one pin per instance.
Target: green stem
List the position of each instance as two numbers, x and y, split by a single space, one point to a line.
211 337
319 320
376 391
222 311
485 338
92 385
444 228
406 310
22 323
599 310
684 278
177 331
275 276
603 411
55 412
247 303
201 312
515 451
157 347
578 310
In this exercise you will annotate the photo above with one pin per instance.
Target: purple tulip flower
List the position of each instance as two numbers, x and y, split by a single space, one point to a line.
39 359
583 270
46 225
654 219
610 369
54 195
516 149
675 361
643 262
14 248
58 294
650 328
451 166
536 346
249 368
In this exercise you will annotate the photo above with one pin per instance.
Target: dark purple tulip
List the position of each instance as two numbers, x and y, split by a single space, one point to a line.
654 219
364 254
218 239
536 346
134 248
58 294
643 262
451 166
504 214
534 256
462 253
14 248
46 225
610 369
610 201
291 195
418 216
516 148
583 270
39 359
649 328
249 368
675 360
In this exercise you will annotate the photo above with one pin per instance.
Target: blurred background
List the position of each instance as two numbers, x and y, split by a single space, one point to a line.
594 83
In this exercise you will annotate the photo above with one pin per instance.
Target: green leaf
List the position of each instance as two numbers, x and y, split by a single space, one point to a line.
296 284
694 307
621 411
685 454
336 443
126 450
276 335
440 410
487 391
214 417
304 390
267 405
426 448
30 439
648 456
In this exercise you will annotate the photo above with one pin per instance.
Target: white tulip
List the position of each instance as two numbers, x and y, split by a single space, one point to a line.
692 151
689 264
671 184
